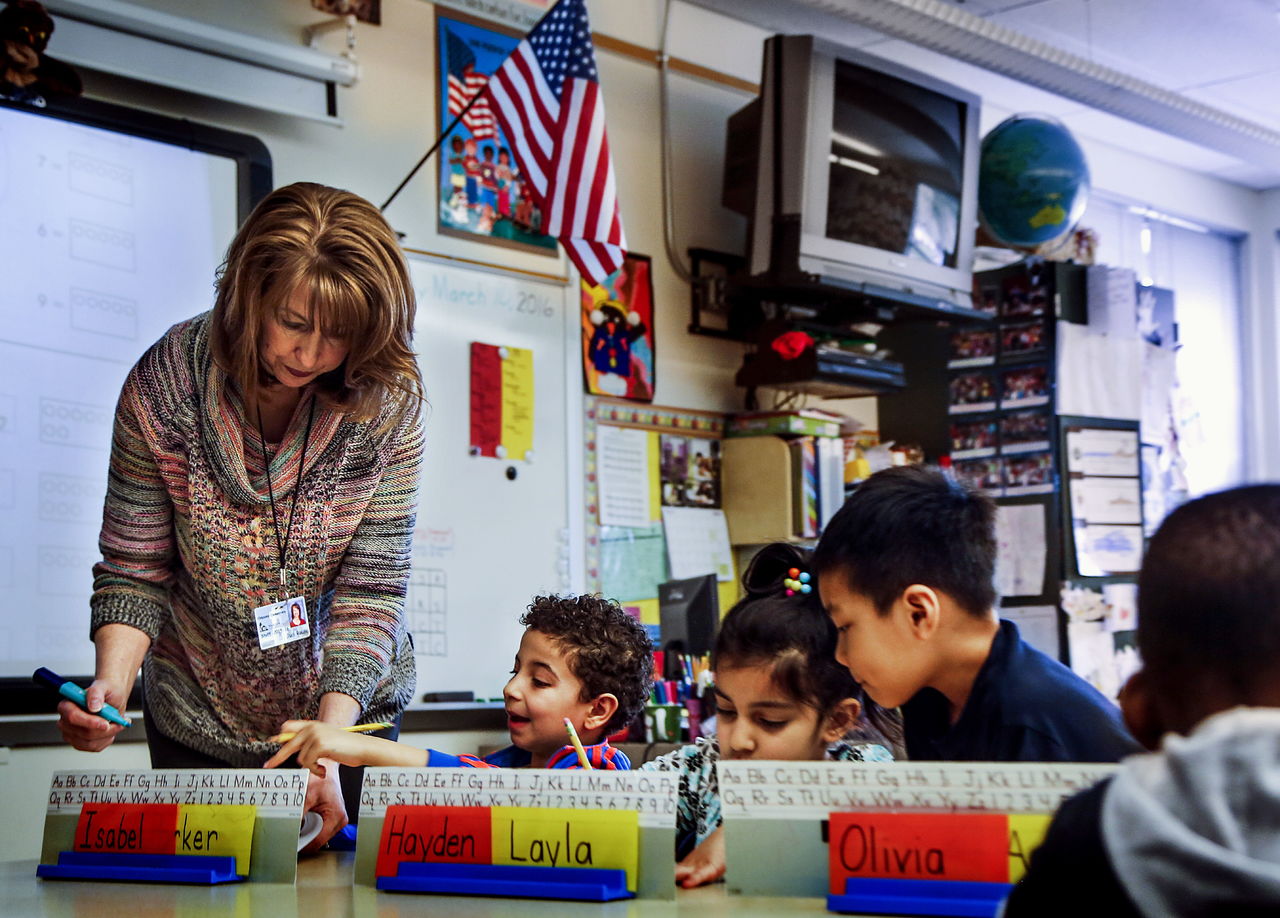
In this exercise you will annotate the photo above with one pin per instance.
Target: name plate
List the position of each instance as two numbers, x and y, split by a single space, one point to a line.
521 817
253 814
167 828
776 843
518 836
978 847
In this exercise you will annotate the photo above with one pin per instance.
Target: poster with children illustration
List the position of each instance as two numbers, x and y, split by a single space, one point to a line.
483 194
617 332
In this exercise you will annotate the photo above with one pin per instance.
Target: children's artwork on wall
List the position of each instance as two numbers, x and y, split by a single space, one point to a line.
483 195
617 332
690 471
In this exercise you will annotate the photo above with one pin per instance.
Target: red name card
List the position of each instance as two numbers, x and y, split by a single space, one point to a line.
453 834
919 846
127 828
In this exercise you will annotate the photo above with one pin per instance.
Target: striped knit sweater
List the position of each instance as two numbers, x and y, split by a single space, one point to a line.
189 551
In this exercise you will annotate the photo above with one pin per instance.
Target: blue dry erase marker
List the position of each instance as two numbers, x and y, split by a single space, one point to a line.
69 690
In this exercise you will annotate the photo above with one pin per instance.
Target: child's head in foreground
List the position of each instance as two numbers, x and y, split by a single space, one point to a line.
581 657
780 694
1208 613
905 563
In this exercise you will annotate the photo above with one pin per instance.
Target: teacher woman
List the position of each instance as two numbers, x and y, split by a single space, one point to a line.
266 451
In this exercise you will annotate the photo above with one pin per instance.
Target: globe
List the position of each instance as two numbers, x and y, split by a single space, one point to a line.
1033 181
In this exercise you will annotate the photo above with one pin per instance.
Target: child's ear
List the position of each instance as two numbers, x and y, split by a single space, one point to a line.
841 719
921 605
1141 716
602 709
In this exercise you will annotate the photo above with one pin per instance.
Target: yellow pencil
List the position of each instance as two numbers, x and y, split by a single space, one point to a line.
357 728
577 744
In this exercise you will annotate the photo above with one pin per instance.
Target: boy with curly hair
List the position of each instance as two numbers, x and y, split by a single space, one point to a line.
581 658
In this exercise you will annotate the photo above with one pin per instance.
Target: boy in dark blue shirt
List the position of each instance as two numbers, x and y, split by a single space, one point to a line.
905 570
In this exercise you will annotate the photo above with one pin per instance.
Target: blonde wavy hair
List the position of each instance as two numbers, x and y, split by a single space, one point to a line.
338 247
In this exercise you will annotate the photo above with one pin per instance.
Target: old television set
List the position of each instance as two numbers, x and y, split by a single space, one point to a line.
857 173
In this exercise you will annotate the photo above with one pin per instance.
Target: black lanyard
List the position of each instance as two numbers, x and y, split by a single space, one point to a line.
282 546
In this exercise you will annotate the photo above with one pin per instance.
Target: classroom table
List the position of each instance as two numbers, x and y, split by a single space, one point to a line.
324 890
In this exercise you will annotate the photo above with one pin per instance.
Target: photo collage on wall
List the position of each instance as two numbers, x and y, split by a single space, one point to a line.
1000 397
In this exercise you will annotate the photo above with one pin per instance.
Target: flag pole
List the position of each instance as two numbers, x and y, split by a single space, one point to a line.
454 123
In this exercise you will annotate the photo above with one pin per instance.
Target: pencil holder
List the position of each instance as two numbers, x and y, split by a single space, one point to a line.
662 722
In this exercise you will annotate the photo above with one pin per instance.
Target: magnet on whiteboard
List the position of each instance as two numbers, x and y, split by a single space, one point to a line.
503 353
475 451
500 451
528 455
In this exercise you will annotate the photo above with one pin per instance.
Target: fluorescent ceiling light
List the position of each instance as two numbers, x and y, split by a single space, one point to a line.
1150 214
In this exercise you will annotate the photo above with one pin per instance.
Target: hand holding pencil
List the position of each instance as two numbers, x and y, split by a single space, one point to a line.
312 740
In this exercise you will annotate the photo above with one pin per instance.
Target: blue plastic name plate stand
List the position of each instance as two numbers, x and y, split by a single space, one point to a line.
876 896
142 868
583 884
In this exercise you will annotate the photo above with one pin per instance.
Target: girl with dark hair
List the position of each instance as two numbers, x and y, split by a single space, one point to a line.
780 694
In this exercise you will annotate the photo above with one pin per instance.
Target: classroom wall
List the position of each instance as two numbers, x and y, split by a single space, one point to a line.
388 119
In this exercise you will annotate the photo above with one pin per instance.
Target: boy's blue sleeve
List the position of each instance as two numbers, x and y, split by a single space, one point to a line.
438 759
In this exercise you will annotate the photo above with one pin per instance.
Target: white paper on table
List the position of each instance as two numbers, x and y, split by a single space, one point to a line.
1099 451
622 473
1038 626
1020 549
1106 500
697 542
1103 549
1099 376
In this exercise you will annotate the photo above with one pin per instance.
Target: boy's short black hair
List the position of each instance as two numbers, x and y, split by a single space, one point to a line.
605 648
912 524
1209 595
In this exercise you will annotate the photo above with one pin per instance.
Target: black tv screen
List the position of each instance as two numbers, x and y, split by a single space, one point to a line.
896 165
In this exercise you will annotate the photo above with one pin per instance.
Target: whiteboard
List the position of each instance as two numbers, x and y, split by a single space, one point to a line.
485 544
107 240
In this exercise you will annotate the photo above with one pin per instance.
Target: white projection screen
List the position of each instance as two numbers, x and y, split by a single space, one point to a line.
114 224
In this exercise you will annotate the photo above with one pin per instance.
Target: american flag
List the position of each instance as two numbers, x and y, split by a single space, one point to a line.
546 96
465 82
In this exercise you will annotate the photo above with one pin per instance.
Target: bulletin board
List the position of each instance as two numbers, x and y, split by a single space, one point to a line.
627 563
491 533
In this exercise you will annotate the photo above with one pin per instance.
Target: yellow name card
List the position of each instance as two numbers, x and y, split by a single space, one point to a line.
222 830
567 838
1026 832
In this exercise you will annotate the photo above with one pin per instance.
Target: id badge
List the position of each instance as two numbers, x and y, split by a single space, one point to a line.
282 622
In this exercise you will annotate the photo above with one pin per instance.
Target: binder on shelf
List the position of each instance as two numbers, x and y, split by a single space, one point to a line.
804 494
